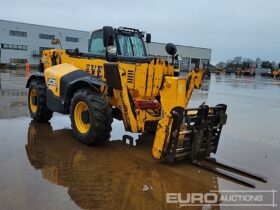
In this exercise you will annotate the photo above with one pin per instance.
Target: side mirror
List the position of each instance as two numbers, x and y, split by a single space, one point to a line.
108 36
148 38
171 49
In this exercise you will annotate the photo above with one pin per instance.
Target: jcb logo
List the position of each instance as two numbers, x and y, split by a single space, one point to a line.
51 82
94 69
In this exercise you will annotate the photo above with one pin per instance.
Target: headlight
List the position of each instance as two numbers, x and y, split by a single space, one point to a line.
112 49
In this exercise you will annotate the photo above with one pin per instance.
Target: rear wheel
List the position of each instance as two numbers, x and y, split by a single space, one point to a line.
37 103
91 117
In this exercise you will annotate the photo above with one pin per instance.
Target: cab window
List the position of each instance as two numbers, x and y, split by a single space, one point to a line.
96 43
131 45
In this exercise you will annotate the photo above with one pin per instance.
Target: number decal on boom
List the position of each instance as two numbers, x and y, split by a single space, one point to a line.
94 69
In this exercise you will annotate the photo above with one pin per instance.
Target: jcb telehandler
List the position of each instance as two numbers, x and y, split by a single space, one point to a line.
117 79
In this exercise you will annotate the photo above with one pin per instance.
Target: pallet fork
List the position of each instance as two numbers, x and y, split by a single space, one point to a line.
198 137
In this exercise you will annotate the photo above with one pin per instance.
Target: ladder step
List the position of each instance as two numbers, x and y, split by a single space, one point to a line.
184 140
182 155
185 132
179 150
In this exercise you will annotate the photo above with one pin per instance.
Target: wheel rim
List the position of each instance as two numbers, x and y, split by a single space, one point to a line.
82 126
32 104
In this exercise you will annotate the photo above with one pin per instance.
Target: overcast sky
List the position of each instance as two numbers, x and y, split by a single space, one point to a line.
248 28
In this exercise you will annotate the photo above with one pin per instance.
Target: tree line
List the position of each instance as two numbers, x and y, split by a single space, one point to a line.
239 62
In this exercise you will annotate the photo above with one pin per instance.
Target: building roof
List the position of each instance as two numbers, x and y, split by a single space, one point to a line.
44 26
161 43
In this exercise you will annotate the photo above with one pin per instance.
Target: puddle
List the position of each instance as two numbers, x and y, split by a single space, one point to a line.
43 167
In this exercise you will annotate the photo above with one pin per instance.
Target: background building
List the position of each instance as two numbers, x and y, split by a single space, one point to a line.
21 42
191 57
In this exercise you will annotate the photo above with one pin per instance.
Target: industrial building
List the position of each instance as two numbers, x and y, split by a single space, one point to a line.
189 57
21 42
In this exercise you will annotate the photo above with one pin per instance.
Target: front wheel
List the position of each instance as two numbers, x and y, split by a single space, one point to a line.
91 117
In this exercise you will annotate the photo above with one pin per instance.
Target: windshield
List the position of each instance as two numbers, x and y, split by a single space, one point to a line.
96 44
131 45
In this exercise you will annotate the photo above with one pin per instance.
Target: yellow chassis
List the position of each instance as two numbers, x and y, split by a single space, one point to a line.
140 81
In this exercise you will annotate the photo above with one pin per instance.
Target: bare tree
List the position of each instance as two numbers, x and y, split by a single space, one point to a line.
237 60
221 64
258 61
246 63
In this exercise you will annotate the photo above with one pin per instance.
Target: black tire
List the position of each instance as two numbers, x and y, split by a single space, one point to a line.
43 113
100 113
35 149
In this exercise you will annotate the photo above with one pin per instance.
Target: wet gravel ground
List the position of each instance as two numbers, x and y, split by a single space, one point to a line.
43 167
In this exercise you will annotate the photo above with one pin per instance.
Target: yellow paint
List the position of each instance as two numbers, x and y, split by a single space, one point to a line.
80 125
54 74
123 103
162 136
140 81
173 94
33 106
275 73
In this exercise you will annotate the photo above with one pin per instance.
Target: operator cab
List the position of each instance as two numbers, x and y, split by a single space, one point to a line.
122 43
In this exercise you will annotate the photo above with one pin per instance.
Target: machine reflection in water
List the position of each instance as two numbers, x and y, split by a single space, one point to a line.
109 177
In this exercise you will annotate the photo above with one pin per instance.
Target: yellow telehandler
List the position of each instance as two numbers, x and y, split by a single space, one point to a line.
275 73
118 79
